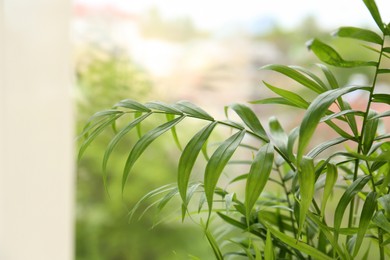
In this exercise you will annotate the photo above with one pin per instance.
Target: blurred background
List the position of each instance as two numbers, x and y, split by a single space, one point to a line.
206 52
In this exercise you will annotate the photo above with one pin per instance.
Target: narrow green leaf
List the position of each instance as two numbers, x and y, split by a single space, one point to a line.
104 113
279 136
384 201
174 132
258 177
292 137
214 245
295 75
370 132
276 100
257 252
383 71
292 97
386 49
250 119
133 105
97 119
342 113
330 56
312 76
96 132
372 7
381 98
153 193
345 199
115 141
143 143
381 221
160 106
306 178
217 163
368 211
359 33
192 110
329 76
188 158
315 112
330 181
340 131
326 231
167 198
269 250
325 145
302 247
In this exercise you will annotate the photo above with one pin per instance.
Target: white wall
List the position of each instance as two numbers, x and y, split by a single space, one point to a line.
36 131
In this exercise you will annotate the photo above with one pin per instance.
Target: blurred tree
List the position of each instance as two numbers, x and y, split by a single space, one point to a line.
102 228
176 30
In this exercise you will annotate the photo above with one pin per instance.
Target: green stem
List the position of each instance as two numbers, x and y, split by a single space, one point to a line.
288 201
352 219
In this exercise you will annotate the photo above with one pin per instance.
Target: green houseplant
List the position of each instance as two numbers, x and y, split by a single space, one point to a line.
282 212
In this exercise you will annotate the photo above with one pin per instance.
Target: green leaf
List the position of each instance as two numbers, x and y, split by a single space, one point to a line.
168 197
331 178
153 193
381 98
372 7
342 113
279 136
325 145
192 110
369 132
328 55
143 143
296 75
315 112
386 49
97 119
368 211
327 232
292 97
329 76
269 250
188 158
359 33
313 76
381 221
160 106
306 178
96 132
302 247
292 137
217 163
250 119
383 71
258 177
115 141
174 132
214 245
384 114
276 100
133 105
384 201
345 199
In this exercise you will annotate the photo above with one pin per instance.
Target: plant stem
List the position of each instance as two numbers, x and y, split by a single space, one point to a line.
352 219
288 201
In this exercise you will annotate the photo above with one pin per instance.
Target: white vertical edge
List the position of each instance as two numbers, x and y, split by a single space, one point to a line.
36 131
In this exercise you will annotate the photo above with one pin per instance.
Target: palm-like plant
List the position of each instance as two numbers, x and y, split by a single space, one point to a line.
295 221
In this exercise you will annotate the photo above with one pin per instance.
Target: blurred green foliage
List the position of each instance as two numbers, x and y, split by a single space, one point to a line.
102 227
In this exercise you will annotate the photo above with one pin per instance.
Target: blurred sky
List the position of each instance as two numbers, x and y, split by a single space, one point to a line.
259 14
